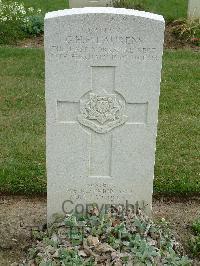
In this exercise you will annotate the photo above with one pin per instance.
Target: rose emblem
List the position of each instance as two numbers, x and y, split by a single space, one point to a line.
102 108
102 113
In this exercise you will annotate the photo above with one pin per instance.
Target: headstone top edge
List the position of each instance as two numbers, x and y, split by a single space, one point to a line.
103 10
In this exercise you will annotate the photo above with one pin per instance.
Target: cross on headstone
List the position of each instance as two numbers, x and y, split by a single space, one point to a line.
102 83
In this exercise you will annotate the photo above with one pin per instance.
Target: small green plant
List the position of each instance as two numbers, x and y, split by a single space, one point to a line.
125 238
34 25
194 245
187 30
17 21
130 4
173 260
194 242
196 227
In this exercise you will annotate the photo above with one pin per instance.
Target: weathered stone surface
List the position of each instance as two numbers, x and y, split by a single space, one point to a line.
194 9
103 70
89 3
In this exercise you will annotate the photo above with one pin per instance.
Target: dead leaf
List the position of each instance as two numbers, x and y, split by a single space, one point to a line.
92 240
116 222
88 251
56 254
82 253
118 262
114 255
104 248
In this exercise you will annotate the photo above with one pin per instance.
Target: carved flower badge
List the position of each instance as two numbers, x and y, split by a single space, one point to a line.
102 113
102 108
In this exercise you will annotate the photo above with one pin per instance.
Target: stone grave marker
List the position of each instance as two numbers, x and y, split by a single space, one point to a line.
103 71
194 9
89 3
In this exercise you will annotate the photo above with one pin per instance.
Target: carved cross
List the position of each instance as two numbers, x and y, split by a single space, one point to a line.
100 111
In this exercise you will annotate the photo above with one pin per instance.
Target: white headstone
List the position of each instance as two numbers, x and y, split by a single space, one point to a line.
89 3
194 9
103 71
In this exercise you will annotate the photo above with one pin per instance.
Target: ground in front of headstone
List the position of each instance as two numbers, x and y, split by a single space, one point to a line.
19 214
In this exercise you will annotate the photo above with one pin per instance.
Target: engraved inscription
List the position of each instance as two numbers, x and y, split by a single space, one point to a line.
102 113
102 43
104 39
86 52
102 190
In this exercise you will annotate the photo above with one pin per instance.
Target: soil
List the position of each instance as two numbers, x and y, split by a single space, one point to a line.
171 41
36 42
19 214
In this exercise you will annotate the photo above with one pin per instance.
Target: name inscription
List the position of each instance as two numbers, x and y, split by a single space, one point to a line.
102 46
104 39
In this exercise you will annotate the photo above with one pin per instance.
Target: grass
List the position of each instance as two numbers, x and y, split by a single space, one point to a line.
45 5
22 131
170 9
178 160
22 119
